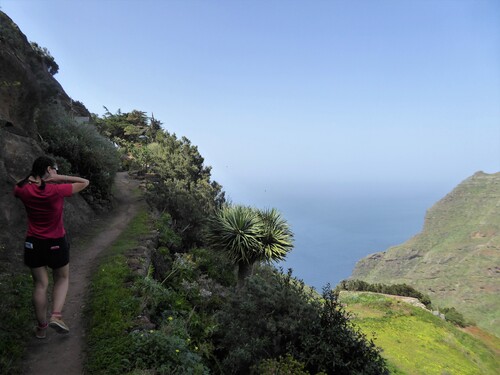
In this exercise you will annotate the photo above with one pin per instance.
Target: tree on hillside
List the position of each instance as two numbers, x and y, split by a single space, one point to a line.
154 127
249 236
126 129
181 186
177 180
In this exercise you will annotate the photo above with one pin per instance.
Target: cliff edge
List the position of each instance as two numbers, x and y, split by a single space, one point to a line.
456 257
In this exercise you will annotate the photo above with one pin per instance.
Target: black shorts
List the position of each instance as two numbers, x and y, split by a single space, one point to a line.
46 252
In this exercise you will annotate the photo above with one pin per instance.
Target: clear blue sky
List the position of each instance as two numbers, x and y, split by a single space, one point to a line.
314 95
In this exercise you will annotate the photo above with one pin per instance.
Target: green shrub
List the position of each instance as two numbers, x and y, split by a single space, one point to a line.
153 295
189 203
453 316
168 237
274 315
185 291
165 353
215 265
85 151
342 348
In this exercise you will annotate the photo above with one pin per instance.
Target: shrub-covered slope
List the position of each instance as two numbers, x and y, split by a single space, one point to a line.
456 257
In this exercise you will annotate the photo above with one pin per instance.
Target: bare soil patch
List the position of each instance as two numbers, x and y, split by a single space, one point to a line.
492 341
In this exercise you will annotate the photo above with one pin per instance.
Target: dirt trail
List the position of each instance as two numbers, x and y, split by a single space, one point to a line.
63 354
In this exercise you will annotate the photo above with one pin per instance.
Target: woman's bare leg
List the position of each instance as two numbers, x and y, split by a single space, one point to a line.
41 283
61 284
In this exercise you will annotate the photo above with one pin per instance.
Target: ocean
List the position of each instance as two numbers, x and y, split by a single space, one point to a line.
333 230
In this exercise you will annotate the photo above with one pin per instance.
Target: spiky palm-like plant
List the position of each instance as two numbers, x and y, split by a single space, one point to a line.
248 235
276 237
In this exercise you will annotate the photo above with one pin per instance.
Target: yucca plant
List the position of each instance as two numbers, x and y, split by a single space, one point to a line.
276 237
248 235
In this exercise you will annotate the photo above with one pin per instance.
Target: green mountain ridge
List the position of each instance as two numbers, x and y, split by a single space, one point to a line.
456 257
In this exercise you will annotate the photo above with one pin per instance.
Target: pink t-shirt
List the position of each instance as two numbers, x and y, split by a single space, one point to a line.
44 208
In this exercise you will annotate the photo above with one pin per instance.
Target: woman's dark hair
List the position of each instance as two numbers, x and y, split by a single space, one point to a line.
39 169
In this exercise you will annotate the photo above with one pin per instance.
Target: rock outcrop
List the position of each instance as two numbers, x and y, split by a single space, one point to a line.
25 85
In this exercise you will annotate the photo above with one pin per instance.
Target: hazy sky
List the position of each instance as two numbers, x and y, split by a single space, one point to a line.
290 95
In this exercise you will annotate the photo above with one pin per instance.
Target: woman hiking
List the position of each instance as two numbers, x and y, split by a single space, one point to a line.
42 194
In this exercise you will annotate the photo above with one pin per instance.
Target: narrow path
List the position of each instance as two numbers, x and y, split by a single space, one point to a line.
63 354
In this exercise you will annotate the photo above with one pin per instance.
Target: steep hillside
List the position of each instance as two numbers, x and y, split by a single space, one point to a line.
26 84
456 257
414 341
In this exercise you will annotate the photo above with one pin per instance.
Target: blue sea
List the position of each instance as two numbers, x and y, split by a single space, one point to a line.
333 230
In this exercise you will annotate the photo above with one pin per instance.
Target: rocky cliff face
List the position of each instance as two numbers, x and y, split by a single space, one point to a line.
25 84
456 257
